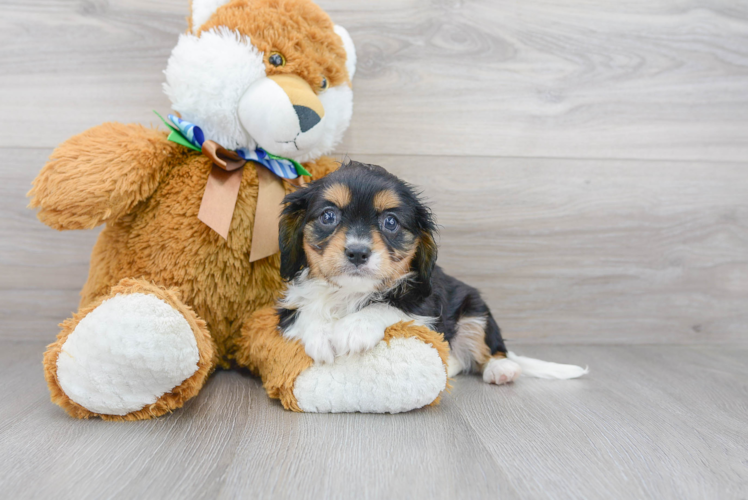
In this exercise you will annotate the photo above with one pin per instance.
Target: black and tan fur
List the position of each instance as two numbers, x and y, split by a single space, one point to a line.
358 253
364 199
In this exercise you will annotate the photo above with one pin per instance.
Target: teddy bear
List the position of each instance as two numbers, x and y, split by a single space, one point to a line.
184 275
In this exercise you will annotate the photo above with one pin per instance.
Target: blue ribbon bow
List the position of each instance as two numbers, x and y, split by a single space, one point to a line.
190 135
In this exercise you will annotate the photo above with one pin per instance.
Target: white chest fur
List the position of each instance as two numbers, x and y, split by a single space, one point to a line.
335 320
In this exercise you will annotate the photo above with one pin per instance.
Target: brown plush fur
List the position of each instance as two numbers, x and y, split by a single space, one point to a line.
278 362
160 238
101 175
168 402
303 35
148 191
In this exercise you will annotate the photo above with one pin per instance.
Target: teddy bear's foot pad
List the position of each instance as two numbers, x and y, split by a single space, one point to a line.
393 377
126 354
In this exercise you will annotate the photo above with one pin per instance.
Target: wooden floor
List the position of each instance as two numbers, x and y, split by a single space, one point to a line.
588 165
649 422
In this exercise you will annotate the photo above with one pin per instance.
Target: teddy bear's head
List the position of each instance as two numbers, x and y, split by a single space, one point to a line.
274 74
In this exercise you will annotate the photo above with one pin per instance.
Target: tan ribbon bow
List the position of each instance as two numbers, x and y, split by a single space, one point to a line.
222 190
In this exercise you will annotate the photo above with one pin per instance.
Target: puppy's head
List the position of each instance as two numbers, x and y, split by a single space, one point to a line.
360 228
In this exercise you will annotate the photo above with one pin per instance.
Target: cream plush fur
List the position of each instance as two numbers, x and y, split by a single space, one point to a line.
207 76
390 378
116 362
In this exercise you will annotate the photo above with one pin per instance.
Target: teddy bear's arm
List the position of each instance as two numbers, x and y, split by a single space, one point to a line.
99 175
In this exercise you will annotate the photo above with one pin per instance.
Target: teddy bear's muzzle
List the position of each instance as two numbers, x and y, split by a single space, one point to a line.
283 115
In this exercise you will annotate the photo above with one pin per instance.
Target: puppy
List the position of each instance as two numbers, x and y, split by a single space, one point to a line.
358 252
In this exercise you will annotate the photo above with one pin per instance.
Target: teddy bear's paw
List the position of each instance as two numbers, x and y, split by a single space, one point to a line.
126 354
400 375
356 333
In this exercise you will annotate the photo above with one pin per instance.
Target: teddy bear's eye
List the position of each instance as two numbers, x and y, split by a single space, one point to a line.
277 59
323 84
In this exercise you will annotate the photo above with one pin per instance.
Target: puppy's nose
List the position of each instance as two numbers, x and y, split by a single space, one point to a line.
308 118
358 254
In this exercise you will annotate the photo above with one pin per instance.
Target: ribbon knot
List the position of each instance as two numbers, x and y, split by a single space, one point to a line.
224 181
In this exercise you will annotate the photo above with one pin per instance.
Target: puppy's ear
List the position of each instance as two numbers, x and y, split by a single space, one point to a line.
425 257
291 233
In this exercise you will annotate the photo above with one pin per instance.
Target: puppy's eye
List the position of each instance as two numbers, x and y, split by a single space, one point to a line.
390 224
324 84
277 59
328 217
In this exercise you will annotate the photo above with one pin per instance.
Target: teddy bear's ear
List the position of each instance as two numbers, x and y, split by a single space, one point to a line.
350 50
202 10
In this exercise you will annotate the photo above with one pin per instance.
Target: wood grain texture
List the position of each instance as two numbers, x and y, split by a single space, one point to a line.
649 422
563 250
638 79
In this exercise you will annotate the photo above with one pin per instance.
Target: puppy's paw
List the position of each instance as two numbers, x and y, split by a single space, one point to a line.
356 333
319 348
501 371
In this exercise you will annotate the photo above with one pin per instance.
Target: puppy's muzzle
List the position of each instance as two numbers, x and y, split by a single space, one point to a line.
358 255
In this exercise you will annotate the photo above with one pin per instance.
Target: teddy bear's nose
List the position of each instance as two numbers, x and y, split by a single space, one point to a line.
308 118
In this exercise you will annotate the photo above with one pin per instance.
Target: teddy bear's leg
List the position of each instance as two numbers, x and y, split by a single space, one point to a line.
405 371
135 353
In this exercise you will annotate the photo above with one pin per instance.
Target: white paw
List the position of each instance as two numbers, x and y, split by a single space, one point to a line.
356 333
500 371
126 354
319 348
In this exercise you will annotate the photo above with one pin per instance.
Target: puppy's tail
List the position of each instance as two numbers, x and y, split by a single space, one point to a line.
546 369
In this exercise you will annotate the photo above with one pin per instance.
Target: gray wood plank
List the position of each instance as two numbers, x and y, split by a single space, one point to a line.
645 416
366 456
640 79
563 250
648 422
